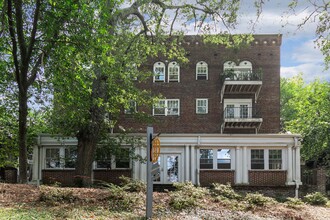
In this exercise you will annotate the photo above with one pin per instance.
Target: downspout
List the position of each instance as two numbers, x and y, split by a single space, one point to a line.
38 176
295 178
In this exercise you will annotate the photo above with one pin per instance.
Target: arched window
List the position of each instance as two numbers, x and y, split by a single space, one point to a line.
159 72
202 72
243 71
173 72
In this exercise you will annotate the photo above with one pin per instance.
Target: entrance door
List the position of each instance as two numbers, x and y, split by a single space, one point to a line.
170 169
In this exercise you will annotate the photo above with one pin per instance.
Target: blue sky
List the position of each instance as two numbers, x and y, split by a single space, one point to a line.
299 52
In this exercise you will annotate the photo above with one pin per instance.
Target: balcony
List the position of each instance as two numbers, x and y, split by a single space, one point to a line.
241 118
241 82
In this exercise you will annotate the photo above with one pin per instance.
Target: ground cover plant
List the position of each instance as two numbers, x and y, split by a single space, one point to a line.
119 202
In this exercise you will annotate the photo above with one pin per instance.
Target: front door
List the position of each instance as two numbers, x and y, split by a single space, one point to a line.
170 169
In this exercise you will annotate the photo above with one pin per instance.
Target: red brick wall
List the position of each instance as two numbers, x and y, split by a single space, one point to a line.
267 178
265 56
111 176
207 177
66 177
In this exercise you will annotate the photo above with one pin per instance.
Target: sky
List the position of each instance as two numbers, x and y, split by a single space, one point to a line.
299 52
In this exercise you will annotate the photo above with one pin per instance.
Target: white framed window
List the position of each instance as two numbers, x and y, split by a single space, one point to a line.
202 106
237 108
173 72
266 159
167 107
242 71
60 157
275 159
216 158
202 71
132 107
159 72
109 161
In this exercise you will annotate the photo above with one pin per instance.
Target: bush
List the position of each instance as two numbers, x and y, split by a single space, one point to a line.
316 198
257 199
224 191
121 200
133 185
55 195
186 196
294 203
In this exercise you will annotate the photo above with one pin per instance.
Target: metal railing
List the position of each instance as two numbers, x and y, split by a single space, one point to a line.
236 75
241 112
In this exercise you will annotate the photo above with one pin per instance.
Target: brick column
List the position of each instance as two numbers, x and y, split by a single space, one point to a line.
321 180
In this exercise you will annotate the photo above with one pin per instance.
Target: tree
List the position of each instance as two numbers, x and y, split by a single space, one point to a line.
305 110
94 73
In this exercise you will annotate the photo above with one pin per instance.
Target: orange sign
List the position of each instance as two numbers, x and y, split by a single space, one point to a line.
155 150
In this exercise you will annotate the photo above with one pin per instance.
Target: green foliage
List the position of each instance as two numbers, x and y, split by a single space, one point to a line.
122 200
316 198
186 196
132 185
295 203
56 195
224 191
257 199
305 110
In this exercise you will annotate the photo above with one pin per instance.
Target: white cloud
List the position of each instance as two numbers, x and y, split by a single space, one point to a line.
310 71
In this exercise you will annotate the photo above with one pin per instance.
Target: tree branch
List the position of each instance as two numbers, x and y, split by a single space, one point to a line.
34 30
20 34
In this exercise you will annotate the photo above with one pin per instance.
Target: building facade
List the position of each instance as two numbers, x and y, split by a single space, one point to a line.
219 120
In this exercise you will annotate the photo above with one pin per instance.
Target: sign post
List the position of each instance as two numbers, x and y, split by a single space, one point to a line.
153 151
150 131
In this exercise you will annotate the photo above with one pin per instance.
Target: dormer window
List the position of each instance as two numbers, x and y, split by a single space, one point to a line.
201 71
173 72
159 72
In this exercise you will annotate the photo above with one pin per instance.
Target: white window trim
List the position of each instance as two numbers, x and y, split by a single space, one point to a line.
207 106
266 159
173 64
237 103
128 111
159 64
166 108
202 64
61 157
215 157
113 163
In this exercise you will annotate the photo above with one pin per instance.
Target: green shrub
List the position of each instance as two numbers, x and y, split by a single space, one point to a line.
121 200
224 191
257 199
186 195
54 195
294 203
132 185
316 198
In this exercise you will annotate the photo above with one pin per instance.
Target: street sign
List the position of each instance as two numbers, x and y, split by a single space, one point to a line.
155 150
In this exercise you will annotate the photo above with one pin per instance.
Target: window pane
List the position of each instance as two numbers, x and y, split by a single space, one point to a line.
223 159
159 73
244 111
103 161
159 108
172 107
53 158
201 106
131 108
275 159
230 113
257 159
206 159
70 157
122 160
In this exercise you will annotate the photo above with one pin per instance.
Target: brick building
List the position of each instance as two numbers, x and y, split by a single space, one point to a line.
219 120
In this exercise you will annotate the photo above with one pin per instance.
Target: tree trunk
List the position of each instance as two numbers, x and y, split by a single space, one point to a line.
22 132
89 135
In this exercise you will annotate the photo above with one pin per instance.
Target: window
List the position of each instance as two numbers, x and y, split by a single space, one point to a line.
121 159
206 159
201 71
132 107
223 159
159 72
167 107
201 106
173 72
70 157
53 158
238 108
257 159
243 71
275 159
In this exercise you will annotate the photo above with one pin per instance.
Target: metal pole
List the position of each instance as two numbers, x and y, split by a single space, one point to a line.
150 131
